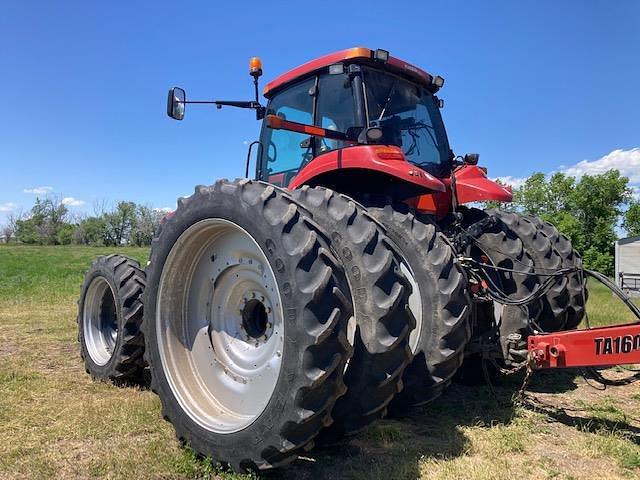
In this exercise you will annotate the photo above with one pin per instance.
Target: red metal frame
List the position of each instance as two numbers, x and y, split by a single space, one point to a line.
595 347
343 55
384 159
472 185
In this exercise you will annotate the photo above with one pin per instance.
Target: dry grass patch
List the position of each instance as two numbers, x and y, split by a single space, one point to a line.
55 422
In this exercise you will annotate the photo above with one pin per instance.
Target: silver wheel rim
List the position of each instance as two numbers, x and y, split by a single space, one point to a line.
100 321
415 305
219 325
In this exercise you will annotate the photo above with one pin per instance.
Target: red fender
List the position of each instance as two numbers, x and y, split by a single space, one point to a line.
388 160
472 185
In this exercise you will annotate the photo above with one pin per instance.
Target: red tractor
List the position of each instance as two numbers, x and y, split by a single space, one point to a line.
348 279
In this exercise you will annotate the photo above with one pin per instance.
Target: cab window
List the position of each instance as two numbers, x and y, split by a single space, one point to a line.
335 110
410 118
285 151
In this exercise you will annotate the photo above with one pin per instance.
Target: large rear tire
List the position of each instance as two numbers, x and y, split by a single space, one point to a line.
546 260
245 324
577 283
439 302
380 295
109 319
501 328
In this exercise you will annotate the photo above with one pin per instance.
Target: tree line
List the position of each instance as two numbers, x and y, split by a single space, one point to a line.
49 222
593 211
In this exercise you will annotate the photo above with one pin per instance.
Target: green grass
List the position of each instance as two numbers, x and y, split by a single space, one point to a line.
605 308
50 274
613 444
55 422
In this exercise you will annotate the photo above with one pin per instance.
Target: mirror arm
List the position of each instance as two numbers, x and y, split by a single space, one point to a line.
260 110
234 103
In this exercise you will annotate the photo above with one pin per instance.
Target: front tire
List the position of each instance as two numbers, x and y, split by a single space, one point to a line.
109 319
245 323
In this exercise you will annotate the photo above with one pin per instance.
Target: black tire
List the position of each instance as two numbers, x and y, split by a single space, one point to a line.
314 295
444 331
380 295
119 308
570 258
546 259
499 246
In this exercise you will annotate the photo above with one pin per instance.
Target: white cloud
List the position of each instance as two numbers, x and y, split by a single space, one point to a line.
72 202
627 162
39 190
514 182
163 209
7 207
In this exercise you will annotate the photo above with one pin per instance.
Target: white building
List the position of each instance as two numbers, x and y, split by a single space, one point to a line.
628 264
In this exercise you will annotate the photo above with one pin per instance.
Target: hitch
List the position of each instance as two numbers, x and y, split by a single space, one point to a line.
466 236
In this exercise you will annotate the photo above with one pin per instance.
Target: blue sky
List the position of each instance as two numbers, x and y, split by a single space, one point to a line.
535 86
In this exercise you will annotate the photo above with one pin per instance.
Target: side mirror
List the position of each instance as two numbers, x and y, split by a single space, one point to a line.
176 103
471 158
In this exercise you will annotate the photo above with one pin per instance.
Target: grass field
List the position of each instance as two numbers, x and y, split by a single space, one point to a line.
55 422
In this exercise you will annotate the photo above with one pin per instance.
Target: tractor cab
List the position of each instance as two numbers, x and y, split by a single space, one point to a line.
359 121
355 97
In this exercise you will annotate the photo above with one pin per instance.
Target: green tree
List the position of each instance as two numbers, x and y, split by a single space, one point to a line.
587 211
544 197
64 234
118 224
146 225
90 231
531 197
48 217
631 221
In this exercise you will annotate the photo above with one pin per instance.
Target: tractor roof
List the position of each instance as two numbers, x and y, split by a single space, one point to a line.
358 54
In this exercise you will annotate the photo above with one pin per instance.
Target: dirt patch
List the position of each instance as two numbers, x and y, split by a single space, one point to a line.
8 349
